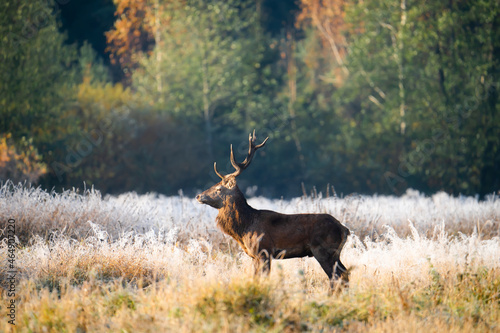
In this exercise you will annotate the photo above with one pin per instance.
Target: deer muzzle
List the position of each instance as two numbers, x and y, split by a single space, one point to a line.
201 198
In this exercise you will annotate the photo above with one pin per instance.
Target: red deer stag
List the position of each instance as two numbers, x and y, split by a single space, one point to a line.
265 234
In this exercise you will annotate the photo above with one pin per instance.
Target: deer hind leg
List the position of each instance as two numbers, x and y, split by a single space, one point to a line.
331 264
340 270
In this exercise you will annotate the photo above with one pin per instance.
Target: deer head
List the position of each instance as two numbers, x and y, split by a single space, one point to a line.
227 190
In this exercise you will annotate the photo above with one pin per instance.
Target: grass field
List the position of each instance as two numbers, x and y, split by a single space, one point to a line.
151 263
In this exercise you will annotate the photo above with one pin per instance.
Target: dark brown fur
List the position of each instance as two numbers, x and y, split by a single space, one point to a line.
264 234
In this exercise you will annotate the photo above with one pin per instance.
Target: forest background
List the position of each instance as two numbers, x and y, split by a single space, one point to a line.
144 95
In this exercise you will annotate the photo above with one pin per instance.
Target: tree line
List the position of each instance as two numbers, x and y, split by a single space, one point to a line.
356 96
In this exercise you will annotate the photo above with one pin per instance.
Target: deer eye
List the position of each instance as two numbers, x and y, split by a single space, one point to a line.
218 189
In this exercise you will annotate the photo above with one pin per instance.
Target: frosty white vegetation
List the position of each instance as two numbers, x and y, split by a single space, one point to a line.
39 212
165 236
155 263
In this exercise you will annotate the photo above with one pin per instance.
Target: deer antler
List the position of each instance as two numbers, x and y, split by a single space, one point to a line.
217 172
252 148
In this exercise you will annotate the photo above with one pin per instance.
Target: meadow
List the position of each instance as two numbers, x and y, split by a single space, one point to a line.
150 263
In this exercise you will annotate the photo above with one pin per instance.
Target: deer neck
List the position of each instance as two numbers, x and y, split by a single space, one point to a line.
235 216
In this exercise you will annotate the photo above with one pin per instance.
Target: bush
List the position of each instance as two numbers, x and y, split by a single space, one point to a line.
21 163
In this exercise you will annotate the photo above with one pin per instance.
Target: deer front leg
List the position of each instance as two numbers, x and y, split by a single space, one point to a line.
253 246
263 263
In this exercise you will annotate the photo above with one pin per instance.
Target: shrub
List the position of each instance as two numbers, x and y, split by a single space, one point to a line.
21 163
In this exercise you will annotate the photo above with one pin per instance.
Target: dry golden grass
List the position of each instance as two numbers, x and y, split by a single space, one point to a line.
464 302
156 264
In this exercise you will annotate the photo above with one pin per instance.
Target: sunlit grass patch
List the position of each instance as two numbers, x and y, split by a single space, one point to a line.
457 302
150 263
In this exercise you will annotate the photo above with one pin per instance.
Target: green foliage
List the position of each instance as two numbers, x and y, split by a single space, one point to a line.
37 73
205 65
21 163
450 135
439 63
415 102
249 300
119 300
119 145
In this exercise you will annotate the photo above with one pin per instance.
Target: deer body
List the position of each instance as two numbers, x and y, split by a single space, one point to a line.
265 234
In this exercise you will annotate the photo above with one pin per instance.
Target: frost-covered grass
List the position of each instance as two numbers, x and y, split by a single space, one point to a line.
38 212
155 263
